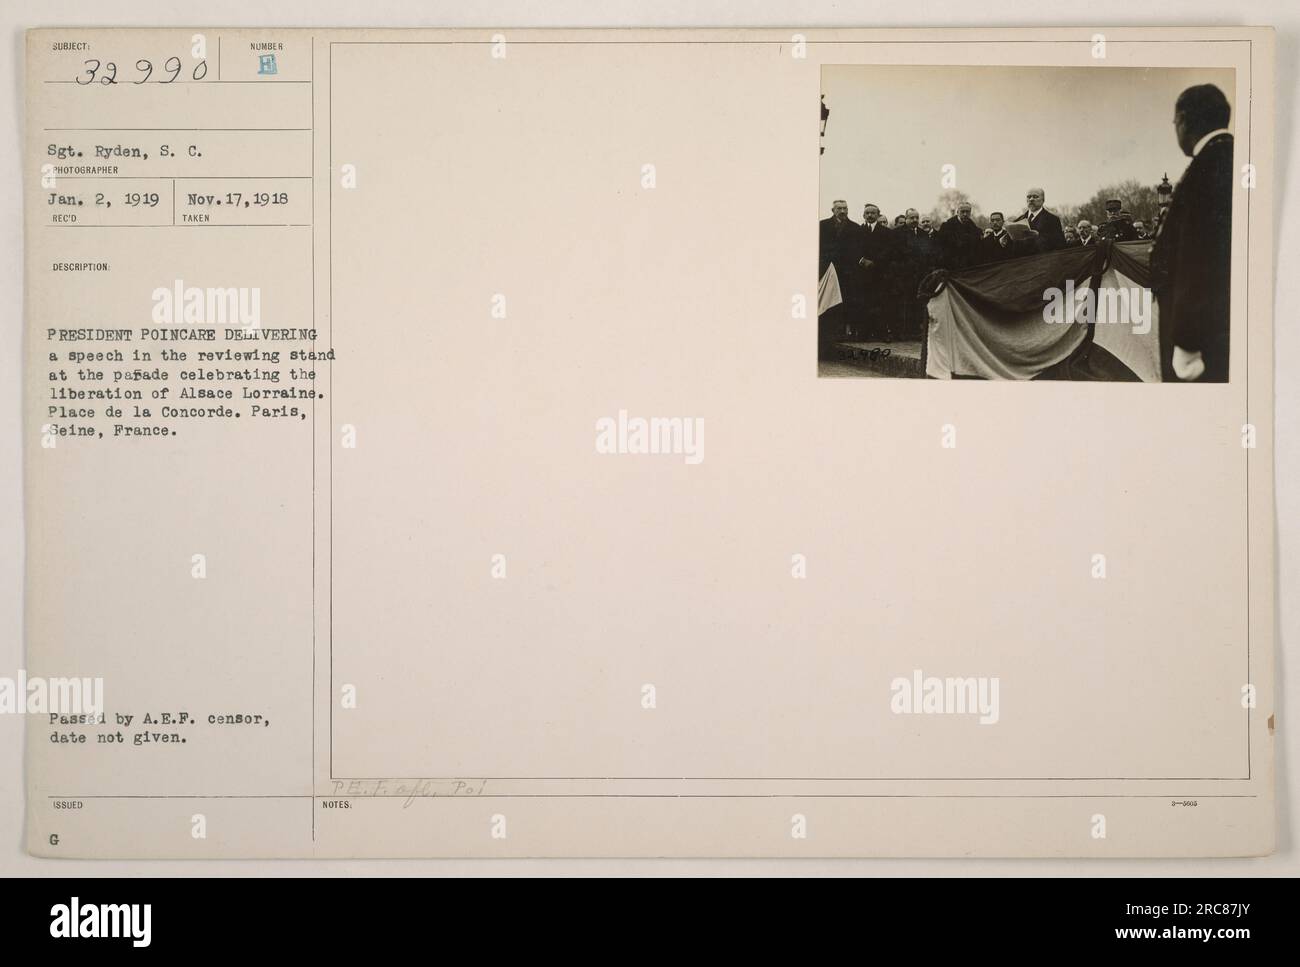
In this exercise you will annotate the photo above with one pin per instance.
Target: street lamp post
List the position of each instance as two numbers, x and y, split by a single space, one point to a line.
1164 195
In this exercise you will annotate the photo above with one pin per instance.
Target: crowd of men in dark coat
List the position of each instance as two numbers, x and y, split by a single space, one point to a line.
879 268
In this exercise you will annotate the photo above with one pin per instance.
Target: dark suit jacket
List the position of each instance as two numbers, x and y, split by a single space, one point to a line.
1191 263
924 252
992 250
915 254
879 244
960 243
1051 235
880 247
839 243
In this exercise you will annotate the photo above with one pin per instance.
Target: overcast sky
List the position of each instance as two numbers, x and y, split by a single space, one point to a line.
1068 130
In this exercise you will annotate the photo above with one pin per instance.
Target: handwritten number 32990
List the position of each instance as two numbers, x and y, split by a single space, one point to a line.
105 72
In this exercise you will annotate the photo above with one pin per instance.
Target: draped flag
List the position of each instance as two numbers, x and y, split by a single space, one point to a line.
1084 312
1127 279
828 290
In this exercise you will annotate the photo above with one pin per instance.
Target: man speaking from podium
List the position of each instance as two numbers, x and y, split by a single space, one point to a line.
1051 235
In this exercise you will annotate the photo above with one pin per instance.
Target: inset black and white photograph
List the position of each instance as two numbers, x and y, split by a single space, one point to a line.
1019 223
